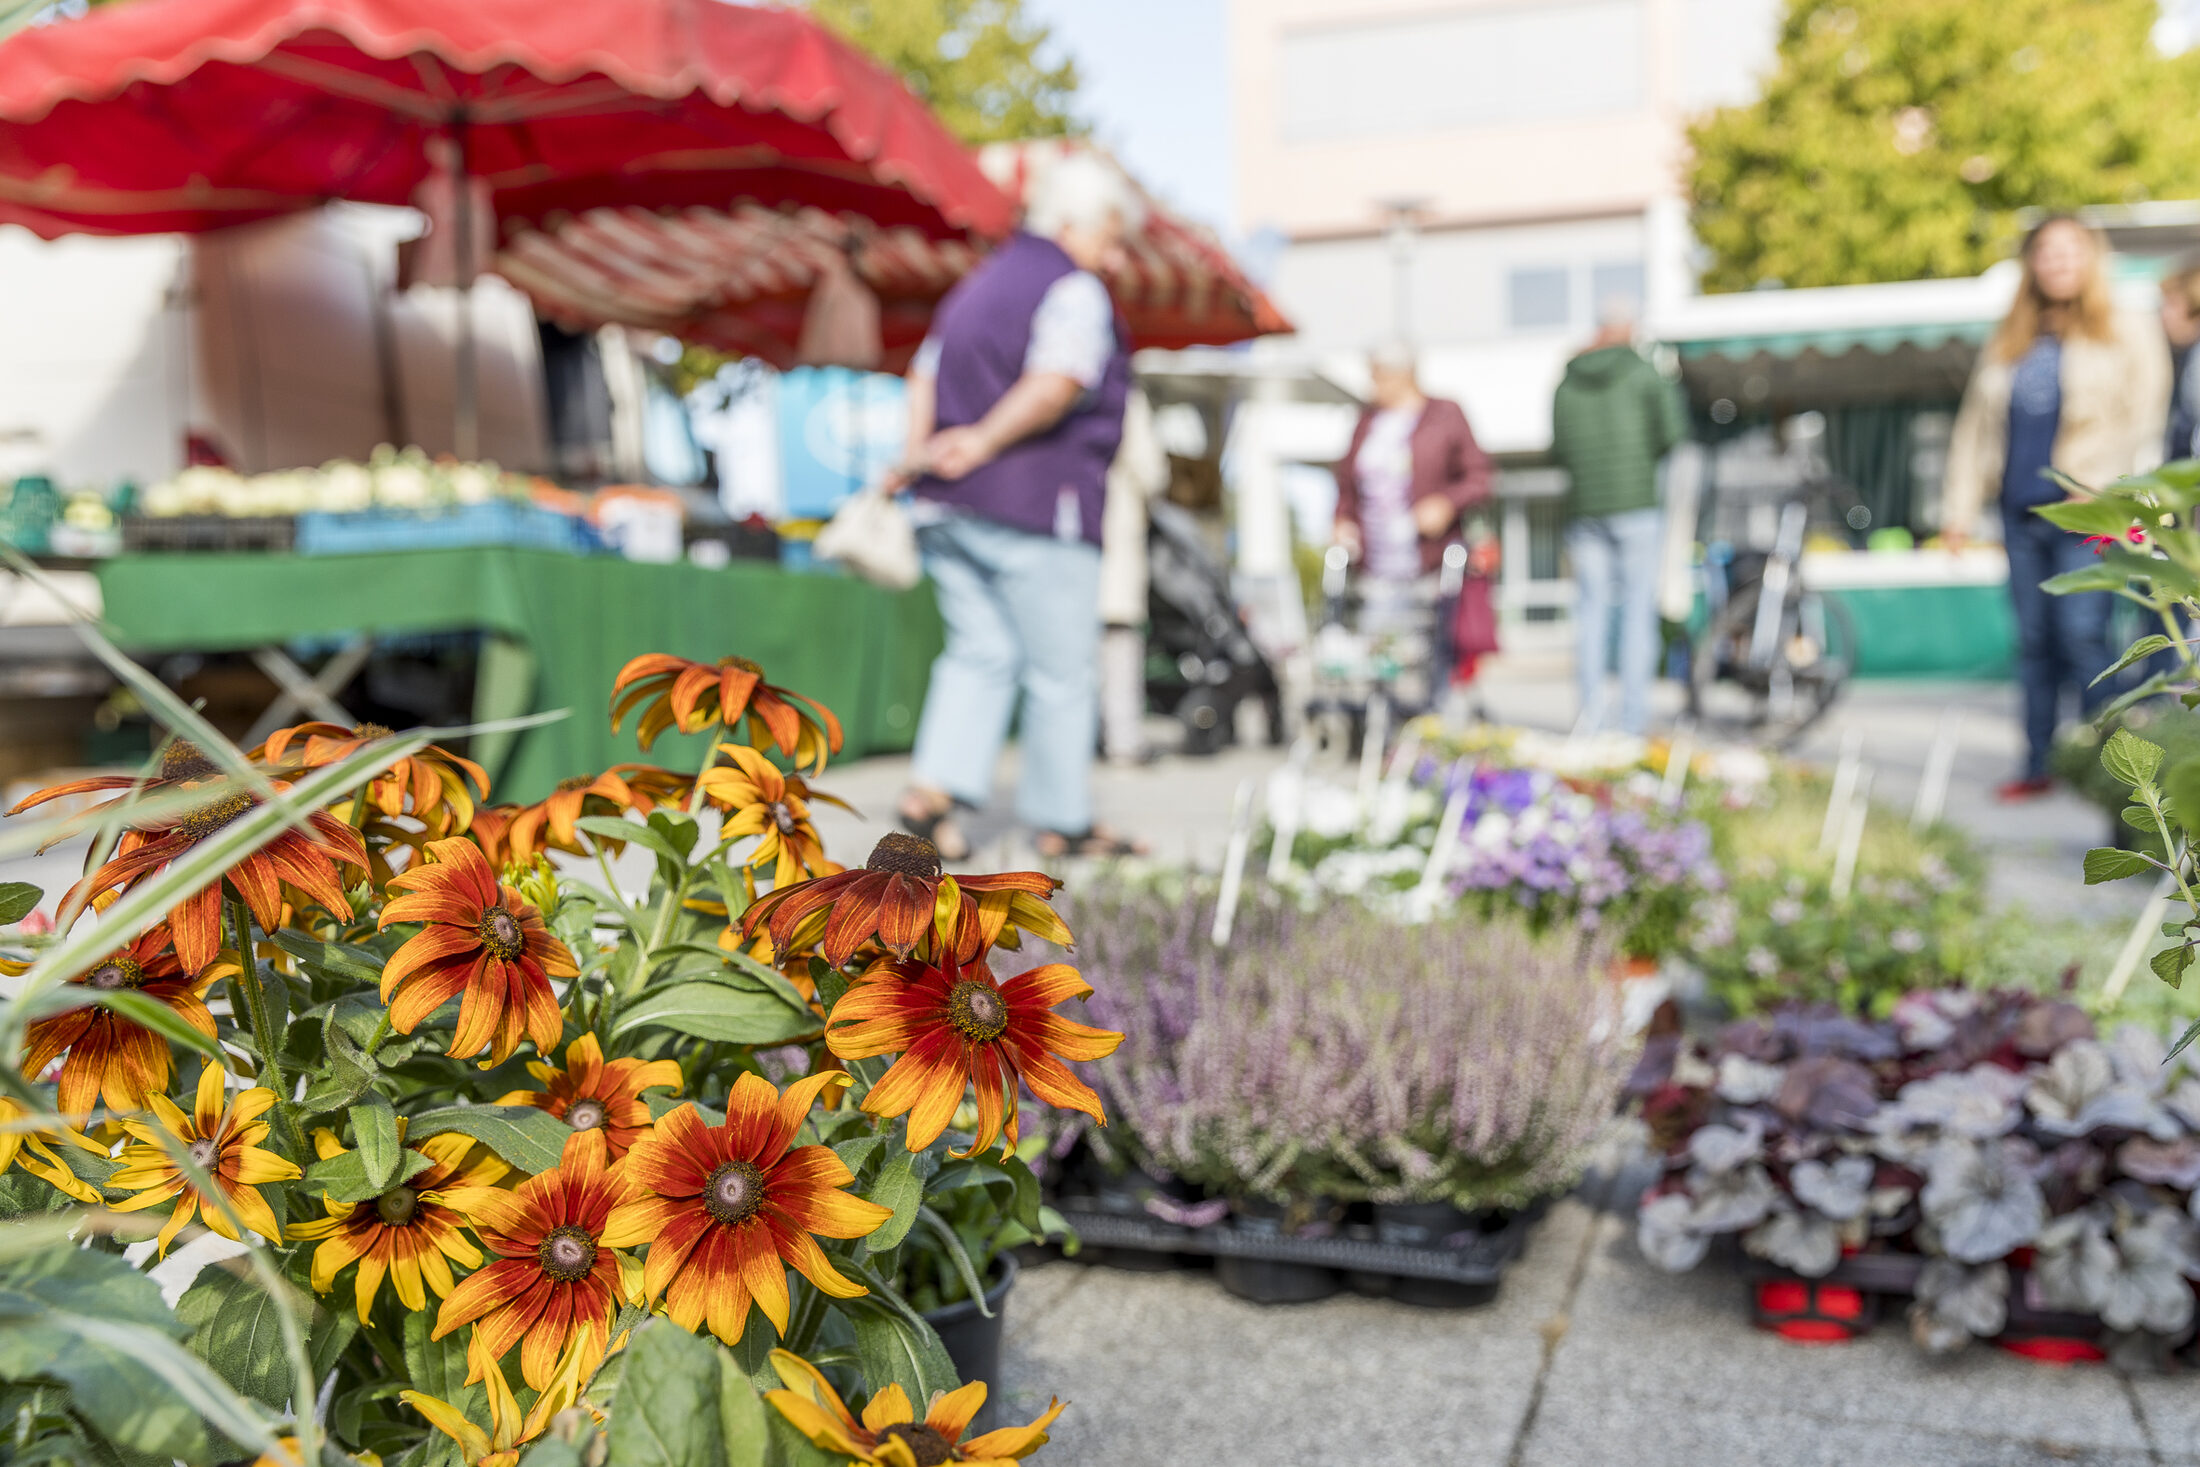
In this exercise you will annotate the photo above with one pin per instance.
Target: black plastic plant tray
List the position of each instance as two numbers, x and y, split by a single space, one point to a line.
1480 1261
1870 1273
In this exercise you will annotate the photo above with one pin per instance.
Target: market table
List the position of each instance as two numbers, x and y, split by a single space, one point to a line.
1923 613
559 628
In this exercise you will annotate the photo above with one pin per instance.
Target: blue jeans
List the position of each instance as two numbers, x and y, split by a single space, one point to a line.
1615 560
2062 641
1023 615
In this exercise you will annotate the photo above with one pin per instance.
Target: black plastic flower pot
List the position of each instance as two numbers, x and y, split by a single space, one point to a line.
1434 1225
974 1342
1267 1281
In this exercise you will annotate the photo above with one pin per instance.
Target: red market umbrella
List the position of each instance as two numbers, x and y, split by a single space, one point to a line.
188 115
741 279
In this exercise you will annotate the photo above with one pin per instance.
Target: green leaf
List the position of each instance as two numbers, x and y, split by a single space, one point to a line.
2192 1032
2170 963
2105 863
374 1139
769 978
2182 786
899 1188
2138 651
856 1151
2130 758
529 1139
438 1367
729 1015
2102 516
237 1328
611 827
668 1407
2141 819
951 1244
677 827
18 899
343 1177
93 1323
345 1075
741 1425
341 960
2153 687
894 1343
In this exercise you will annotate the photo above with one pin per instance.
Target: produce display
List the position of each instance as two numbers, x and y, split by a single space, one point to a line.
405 479
1997 1138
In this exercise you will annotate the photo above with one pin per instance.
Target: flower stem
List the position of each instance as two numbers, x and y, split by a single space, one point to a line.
264 1037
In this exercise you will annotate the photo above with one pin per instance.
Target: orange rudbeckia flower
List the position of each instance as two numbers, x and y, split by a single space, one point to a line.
508 1429
306 858
591 1093
430 785
109 1055
555 1280
889 1433
224 1141
31 1146
549 823
673 692
724 1209
953 1027
410 1234
901 894
760 801
484 945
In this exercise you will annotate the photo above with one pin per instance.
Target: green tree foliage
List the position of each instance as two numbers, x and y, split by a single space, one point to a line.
1895 139
976 62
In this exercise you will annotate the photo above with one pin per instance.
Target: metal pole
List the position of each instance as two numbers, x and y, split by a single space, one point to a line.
465 407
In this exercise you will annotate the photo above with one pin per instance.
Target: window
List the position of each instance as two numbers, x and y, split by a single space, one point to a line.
1539 296
1485 67
1615 281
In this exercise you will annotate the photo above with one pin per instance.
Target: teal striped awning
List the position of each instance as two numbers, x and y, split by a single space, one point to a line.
1839 341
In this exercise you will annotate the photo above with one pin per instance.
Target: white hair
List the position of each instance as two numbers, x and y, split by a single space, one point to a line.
1081 190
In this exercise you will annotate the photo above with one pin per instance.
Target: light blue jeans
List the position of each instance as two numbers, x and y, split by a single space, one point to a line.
1615 560
1023 615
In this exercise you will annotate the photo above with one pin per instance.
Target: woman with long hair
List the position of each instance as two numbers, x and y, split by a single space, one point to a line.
2066 383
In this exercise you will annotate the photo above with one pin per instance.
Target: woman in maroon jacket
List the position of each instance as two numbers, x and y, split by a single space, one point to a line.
1412 472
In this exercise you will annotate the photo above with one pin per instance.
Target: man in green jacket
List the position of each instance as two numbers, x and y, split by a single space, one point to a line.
1613 418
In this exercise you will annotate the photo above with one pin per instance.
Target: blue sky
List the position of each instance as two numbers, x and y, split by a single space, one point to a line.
1155 87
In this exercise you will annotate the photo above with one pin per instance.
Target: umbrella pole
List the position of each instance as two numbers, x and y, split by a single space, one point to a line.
465 406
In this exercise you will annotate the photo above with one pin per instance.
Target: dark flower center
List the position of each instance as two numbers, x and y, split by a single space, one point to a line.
577 782
116 973
206 819
782 817
567 1254
734 1192
204 1154
586 1115
976 1011
396 1206
744 664
370 731
183 760
925 1443
501 934
910 855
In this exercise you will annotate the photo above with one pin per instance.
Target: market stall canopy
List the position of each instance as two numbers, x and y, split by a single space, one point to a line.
742 279
190 115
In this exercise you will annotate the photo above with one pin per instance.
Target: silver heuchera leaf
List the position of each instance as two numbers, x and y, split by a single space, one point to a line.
2137 1052
1802 1241
1839 1189
1978 1102
1667 1236
2074 1262
2078 1077
1956 1304
2150 1289
1719 1149
1980 1200
2165 1163
1744 1081
1727 1202
2183 1101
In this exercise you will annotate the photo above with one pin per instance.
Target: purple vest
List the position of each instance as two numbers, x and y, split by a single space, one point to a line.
984 329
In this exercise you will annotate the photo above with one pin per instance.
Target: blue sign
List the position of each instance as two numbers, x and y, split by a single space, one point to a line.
838 431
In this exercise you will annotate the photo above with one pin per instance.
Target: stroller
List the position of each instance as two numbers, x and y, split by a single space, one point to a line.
1396 652
1200 661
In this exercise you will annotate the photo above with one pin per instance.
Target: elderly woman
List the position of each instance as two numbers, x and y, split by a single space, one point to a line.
2066 383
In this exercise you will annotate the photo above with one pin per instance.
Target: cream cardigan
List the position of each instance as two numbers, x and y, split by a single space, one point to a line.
2115 398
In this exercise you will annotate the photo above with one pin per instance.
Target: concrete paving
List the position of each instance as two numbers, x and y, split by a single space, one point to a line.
1588 1355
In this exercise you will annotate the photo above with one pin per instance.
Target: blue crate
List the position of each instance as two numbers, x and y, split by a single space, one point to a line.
500 523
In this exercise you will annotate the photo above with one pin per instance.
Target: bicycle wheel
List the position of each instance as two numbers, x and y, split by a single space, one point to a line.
1776 700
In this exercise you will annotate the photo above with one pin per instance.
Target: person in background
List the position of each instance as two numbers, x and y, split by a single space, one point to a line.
1613 417
1015 411
2065 382
2181 324
1411 471
1139 474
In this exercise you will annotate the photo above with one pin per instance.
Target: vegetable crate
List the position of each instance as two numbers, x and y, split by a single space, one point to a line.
166 534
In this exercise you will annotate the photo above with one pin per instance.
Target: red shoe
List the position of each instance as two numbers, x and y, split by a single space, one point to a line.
2023 789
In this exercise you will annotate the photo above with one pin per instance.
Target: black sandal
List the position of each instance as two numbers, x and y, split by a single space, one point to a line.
1092 843
931 827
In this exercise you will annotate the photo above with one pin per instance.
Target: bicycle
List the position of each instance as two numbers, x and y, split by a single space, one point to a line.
1775 655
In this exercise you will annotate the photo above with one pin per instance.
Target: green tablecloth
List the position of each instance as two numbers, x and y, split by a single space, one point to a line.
1932 631
561 626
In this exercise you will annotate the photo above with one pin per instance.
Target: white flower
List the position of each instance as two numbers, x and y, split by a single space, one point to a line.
1761 962
1784 911
1906 940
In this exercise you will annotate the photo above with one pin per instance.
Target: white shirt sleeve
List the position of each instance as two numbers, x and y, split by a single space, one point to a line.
1073 330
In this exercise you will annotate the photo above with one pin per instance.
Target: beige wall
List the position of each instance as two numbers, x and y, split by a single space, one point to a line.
1489 109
